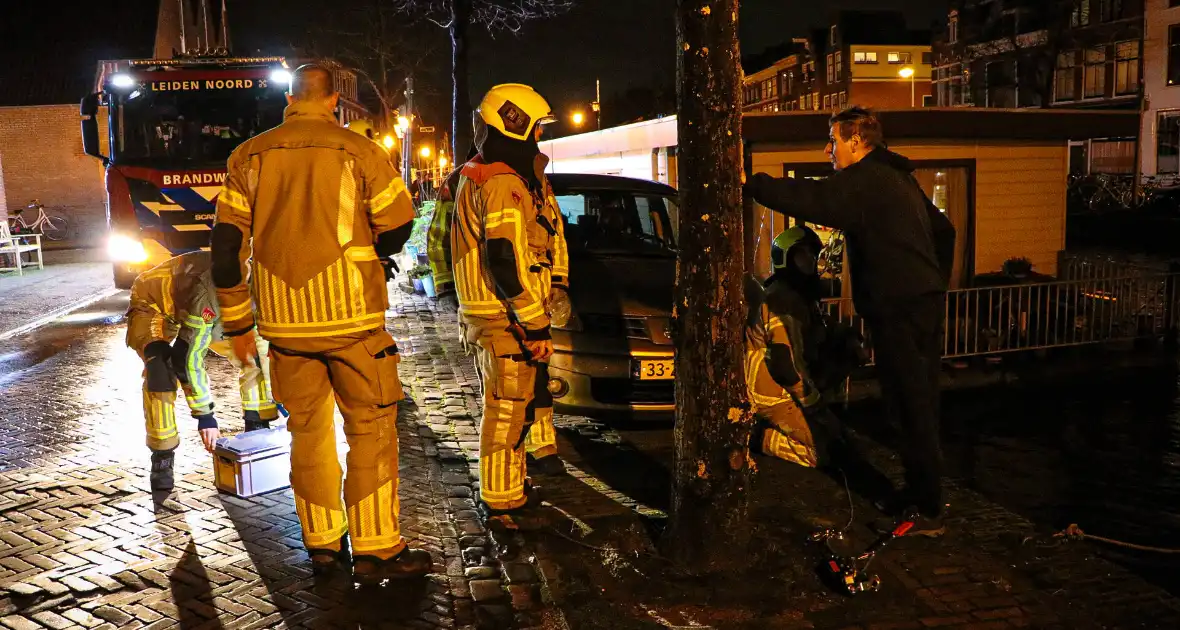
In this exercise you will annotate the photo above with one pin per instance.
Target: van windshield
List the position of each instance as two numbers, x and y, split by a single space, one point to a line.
611 220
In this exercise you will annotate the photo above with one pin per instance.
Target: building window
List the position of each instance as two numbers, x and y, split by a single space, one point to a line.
1065 78
843 100
827 101
1110 10
839 65
952 29
927 58
1000 77
927 100
832 36
1174 54
1080 16
1167 147
864 57
900 57
831 70
802 102
1095 75
1126 68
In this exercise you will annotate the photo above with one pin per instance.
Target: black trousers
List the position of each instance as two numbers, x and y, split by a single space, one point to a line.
907 341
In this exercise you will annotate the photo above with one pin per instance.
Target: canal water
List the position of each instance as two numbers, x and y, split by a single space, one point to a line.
1103 453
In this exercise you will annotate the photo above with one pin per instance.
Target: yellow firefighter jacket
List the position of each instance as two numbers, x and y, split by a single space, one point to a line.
176 300
438 238
508 247
314 197
780 351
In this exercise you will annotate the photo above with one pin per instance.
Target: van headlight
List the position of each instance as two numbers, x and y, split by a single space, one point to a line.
122 248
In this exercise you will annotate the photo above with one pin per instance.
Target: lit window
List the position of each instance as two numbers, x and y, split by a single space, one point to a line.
864 57
1095 75
952 31
830 69
1126 68
1065 77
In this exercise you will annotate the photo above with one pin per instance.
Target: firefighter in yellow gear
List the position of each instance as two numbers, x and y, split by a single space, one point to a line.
782 335
510 266
172 322
313 209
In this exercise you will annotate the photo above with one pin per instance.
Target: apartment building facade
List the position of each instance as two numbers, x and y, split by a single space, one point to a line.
858 60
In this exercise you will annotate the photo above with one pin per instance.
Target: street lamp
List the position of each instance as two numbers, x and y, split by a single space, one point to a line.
908 73
387 141
579 118
424 152
442 161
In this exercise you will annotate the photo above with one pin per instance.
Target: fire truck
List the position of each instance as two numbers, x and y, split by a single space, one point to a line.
170 125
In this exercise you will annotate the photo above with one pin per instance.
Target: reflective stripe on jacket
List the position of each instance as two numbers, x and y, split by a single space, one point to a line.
314 197
508 246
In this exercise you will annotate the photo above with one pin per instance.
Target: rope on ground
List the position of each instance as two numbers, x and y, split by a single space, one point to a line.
1073 532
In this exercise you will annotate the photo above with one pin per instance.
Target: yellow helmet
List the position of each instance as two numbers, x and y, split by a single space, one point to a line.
515 110
366 129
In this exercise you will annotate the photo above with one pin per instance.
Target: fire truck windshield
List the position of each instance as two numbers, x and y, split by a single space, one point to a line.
191 129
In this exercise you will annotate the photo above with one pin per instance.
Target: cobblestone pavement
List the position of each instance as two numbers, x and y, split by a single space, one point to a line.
83 543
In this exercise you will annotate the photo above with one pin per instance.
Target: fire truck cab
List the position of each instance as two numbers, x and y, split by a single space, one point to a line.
171 124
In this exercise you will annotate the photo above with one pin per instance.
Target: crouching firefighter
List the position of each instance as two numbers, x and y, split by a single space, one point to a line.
172 321
793 357
509 269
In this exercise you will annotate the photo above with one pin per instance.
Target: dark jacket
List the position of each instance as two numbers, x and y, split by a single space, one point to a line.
899 244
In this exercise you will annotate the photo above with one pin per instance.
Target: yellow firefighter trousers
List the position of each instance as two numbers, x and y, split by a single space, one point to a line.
787 436
159 408
361 378
509 389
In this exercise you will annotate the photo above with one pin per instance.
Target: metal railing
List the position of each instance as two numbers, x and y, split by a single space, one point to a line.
1020 317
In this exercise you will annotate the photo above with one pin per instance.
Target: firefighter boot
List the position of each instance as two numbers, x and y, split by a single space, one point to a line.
254 421
408 563
161 475
547 465
327 561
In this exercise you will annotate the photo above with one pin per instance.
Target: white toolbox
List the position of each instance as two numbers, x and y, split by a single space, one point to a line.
252 463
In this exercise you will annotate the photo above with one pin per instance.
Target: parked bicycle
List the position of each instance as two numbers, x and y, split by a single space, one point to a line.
53 228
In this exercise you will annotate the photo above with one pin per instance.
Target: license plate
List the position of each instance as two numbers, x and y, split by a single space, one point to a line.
656 370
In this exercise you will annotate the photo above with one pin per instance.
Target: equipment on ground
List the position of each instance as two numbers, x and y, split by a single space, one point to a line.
252 463
850 573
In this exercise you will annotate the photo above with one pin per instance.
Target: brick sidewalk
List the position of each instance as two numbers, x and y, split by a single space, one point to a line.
82 544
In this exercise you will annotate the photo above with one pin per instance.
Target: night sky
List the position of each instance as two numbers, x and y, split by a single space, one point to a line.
623 42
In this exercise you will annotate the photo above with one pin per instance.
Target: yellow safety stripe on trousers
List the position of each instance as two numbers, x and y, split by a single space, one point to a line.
783 446
234 199
385 198
542 434
159 415
321 526
502 468
373 520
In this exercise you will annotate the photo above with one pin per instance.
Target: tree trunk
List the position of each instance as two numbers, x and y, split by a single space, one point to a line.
461 130
708 529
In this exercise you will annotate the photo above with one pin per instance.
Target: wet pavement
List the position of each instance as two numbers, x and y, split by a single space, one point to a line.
83 544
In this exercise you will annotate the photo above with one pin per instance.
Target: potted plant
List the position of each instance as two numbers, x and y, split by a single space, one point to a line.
419 275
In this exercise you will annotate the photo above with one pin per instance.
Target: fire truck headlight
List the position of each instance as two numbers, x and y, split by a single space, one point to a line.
122 81
282 77
126 249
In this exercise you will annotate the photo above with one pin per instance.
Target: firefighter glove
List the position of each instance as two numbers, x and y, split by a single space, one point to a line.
245 347
560 308
178 358
390 268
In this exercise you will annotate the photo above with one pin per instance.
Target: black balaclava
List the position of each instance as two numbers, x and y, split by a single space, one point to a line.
520 155
807 284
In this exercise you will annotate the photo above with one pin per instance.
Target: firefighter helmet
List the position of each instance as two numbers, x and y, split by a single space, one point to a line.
780 248
514 110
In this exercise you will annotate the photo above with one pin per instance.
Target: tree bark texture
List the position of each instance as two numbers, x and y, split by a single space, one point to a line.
708 530
461 130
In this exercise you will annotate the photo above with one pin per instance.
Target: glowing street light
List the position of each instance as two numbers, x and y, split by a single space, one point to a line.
442 161
425 152
387 141
579 118
908 73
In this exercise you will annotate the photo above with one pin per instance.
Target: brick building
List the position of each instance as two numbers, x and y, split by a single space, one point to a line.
1159 151
857 60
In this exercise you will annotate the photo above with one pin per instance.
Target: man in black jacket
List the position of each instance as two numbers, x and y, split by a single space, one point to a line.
900 250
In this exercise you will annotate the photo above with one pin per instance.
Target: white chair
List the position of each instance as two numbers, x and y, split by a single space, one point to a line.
16 245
